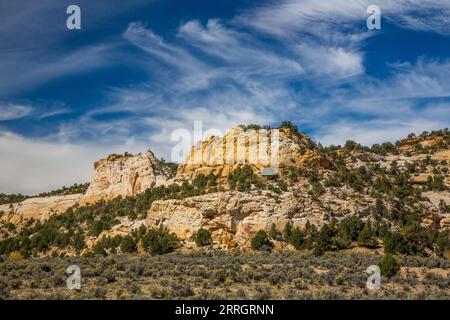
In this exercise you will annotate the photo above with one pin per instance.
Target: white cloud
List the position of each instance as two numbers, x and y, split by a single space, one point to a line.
328 35
328 19
376 131
425 78
237 49
32 166
333 62
288 18
54 113
148 41
13 111
21 73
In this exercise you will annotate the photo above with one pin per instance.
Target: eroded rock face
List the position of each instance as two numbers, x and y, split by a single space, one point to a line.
260 149
39 208
125 176
408 145
435 198
113 176
232 217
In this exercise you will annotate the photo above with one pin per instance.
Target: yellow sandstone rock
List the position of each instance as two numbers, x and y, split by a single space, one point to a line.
125 176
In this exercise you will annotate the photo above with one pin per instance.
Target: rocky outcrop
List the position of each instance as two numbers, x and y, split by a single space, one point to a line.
233 217
274 148
435 198
415 145
125 175
39 208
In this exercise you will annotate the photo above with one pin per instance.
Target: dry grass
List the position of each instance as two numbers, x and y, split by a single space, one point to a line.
224 275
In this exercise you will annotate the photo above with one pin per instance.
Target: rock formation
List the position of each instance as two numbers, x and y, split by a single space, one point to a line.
39 208
313 191
234 217
125 175
231 217
278 148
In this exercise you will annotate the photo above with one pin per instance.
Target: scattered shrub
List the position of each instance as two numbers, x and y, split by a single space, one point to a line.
128 245
202 237
367 237
160 241
297 238
261 241
389 266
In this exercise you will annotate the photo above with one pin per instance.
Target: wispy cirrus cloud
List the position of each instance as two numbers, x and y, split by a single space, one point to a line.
237 75
237 49
334 20
13 111
383 129
330 64
21 73
35 42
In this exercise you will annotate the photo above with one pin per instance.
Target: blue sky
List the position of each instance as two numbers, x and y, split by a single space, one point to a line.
139 70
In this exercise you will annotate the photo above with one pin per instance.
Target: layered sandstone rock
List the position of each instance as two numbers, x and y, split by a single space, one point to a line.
39 208
409 145
233 217
435 198
274 148
125 175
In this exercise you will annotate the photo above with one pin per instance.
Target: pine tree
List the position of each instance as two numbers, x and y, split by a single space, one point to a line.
128 245
297 238
366 237
261 241
389 266
202 237
324 240
274 233
287 231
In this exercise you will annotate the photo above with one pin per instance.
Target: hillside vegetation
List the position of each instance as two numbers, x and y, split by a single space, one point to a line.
393 212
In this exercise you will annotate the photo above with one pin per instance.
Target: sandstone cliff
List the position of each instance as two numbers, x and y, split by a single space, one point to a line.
125 175
234 217
275 148
39 208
